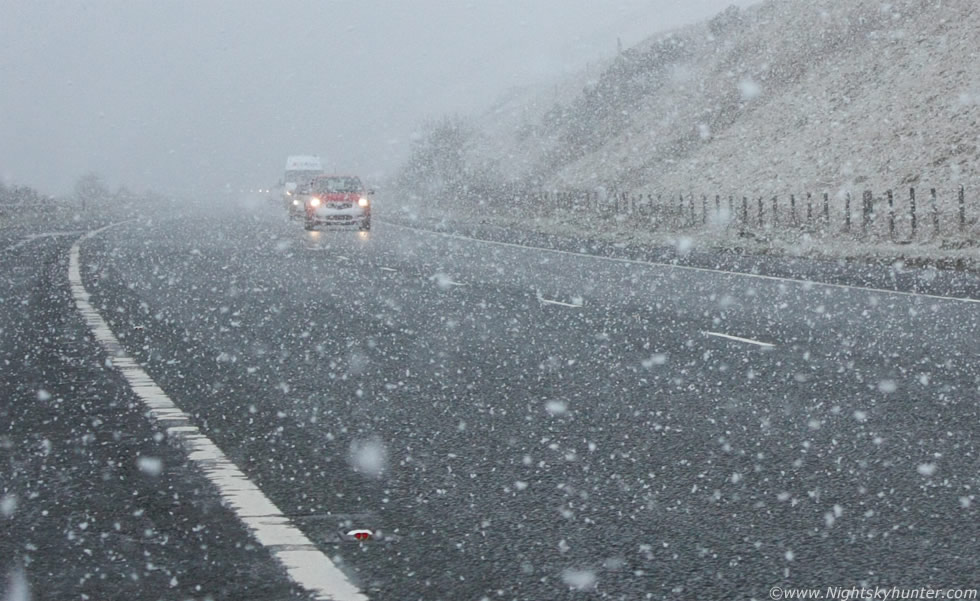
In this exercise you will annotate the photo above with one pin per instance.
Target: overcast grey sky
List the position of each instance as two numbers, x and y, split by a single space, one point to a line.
187 96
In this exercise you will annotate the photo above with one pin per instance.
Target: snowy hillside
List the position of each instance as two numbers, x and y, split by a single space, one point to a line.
784 96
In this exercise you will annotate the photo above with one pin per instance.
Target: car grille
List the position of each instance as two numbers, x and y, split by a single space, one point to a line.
340 205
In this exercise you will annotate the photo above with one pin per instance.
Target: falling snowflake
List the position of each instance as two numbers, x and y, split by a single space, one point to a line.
151 466
749 89
556 407
368 456
580 580
8 505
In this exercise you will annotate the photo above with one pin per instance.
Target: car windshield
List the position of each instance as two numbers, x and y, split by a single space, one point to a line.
300 178
509 300
328 185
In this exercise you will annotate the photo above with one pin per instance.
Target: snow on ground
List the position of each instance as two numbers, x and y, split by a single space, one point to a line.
937 252
789 97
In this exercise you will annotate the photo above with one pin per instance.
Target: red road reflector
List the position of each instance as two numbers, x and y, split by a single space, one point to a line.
361 535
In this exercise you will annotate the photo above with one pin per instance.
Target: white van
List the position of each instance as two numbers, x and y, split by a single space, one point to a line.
300 170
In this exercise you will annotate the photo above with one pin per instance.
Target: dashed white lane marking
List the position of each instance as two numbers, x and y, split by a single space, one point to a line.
343 257
686 267
444 281
387 269
547 301
304 563
739 339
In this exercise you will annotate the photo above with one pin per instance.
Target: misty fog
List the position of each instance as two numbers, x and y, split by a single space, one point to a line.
188 97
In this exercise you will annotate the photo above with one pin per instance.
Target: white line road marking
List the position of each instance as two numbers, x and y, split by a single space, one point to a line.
547 301
443 281
387 269
32 237
739 339
304 562
686 267
343 257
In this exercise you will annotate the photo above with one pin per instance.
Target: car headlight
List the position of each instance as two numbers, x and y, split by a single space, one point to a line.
295 202
315 201
362 202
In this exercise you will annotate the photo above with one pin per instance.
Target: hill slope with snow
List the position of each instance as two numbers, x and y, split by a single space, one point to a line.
784 96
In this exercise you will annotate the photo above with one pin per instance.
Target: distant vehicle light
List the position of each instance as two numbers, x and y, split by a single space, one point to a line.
315 201
295 202
362 202
289 193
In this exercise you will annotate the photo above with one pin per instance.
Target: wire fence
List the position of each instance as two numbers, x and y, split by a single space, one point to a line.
898 216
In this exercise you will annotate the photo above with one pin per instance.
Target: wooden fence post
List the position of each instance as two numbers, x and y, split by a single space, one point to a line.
809 208
891 215
962 199
826 208
717 206
760 211
704 209
866 210
775 212
847 212
935 212
912 210
745 210
792 209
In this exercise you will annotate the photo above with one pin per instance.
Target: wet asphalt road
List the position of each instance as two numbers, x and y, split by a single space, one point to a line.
94 503
548 421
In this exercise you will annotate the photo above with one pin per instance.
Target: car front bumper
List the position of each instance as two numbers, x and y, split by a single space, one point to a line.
328 215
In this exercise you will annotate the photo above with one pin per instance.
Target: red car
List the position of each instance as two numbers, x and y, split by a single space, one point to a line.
338 200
